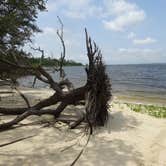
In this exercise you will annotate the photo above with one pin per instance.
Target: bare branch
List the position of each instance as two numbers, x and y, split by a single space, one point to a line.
23 96
41 60
95 93
61 23
63 53
41 51
30 112
52 83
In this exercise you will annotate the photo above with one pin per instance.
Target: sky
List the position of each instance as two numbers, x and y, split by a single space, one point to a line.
126 31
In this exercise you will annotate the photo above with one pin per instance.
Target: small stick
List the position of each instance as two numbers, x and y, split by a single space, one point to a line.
17 140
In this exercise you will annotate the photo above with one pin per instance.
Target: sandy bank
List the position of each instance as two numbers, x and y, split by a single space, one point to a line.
129 139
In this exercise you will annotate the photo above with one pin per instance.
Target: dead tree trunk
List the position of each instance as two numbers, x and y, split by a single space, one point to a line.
96 92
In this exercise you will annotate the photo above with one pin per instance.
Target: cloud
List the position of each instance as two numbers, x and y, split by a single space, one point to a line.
125 15
136 50
49 41
49 31
75 9
131 35
147 40
52 6
135 55
70 38
147 53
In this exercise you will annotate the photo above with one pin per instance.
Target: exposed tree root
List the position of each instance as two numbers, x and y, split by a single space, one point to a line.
75 124
17 140
82 150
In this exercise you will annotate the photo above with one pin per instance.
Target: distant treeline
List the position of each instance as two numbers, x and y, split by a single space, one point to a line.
52 62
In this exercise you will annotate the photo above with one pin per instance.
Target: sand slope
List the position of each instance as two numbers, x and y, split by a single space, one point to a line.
129 139
135 139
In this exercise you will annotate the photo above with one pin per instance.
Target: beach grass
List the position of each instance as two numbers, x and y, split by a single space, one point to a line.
153 110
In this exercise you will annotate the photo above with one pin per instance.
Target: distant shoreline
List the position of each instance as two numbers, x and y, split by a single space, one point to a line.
136 64
48 62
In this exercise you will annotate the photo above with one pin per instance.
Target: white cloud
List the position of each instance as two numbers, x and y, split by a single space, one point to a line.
136 41
125 15
136 51
70 38
52 6
145 41
147 53
49 41
118 7
49 31
76 9
123 12
134 55
131 35
124 21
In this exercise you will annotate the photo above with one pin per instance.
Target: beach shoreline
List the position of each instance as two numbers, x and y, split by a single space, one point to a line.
121 98
129 138
139 100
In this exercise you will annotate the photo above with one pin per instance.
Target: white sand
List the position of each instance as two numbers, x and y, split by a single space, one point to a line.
129 139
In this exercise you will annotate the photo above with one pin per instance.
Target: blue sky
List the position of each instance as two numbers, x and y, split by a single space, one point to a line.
127 31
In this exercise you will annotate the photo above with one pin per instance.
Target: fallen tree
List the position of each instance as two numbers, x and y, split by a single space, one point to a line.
95 94
18 24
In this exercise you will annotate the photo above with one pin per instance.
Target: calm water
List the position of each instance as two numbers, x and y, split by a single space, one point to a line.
134 81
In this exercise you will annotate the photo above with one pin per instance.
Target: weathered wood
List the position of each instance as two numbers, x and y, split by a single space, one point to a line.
76 123
95 94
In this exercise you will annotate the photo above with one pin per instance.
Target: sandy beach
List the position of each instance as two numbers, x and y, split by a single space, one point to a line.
128 139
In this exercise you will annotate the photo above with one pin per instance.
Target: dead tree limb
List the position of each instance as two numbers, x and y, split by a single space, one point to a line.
23 96
41 60
96 92
63 53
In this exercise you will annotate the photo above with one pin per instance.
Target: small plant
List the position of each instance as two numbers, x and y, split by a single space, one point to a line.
153 110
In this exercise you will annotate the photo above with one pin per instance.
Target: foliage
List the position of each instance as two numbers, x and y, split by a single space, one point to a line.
17 20
17 25
157 111
7 71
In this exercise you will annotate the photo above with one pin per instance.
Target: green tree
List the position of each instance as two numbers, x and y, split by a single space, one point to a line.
17 25
18 22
